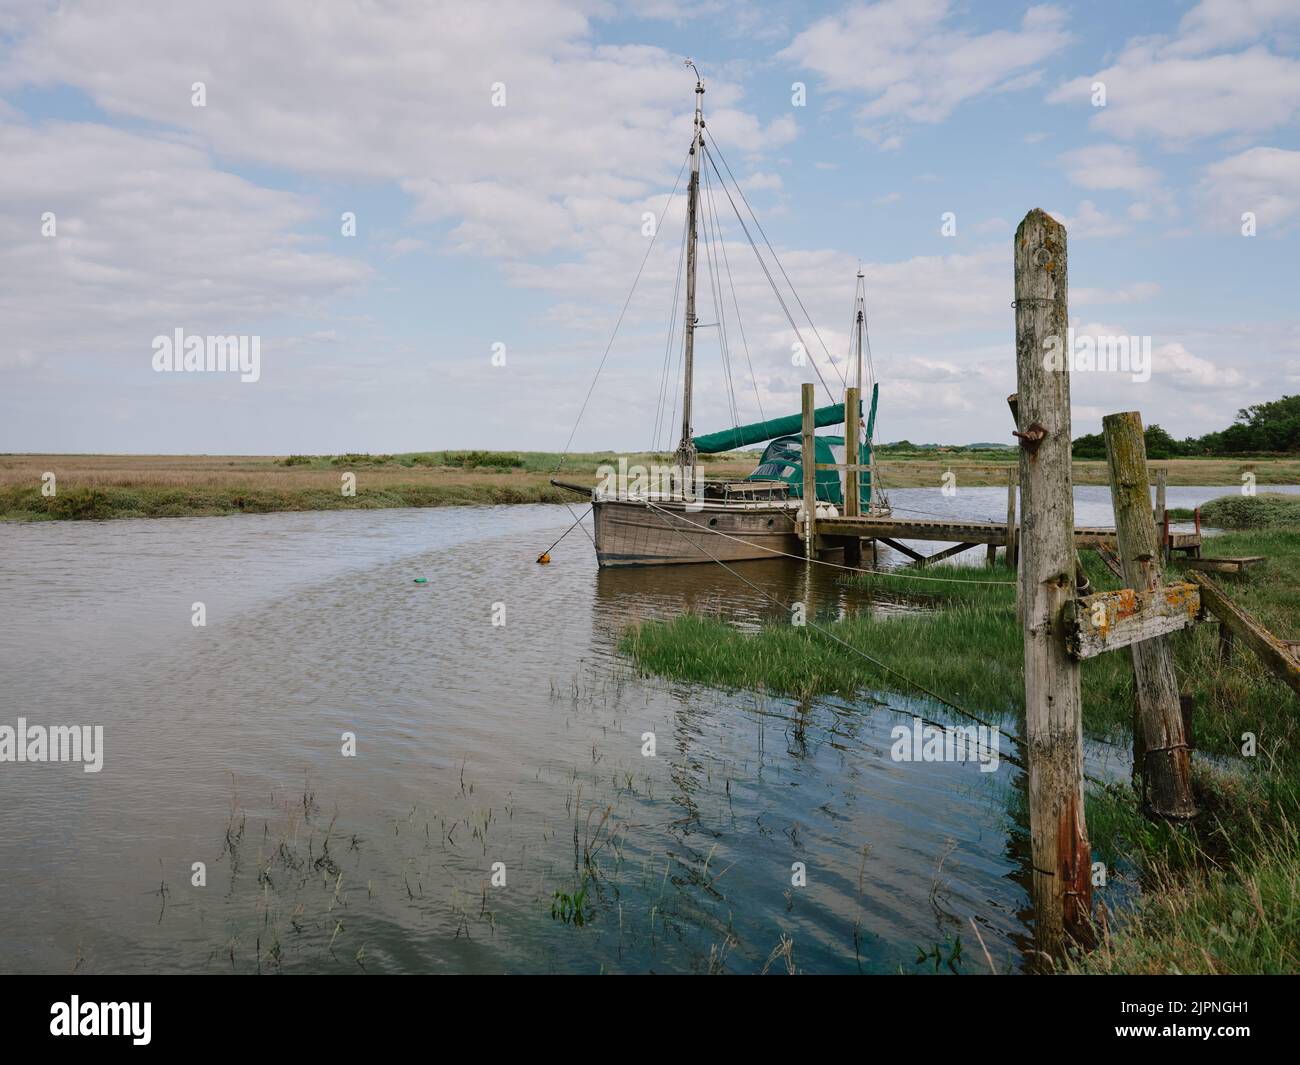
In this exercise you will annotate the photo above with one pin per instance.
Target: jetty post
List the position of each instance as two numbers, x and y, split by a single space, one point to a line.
1062 857
852 472
1161 755
852 476
809 472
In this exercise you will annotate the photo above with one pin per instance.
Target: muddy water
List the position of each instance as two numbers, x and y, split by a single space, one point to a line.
479 747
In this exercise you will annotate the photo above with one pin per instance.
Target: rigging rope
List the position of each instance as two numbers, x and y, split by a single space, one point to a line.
662 403
646 258
715 291
768 273
775 258
740 322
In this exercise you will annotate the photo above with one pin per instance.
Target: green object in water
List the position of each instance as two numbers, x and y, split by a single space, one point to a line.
421 580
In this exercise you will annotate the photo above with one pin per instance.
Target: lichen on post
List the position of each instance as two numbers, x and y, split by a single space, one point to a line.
1062 859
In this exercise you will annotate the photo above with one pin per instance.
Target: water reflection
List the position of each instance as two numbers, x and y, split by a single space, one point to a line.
499 769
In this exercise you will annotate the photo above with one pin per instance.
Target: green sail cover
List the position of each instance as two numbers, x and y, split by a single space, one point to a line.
757 432
783 460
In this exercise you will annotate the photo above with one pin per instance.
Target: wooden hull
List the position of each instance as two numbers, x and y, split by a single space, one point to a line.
630 533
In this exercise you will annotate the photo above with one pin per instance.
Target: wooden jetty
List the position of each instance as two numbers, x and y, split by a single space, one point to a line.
1235 564
963 534
848 530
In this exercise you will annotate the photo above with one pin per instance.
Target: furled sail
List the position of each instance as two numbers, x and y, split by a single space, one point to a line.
757 432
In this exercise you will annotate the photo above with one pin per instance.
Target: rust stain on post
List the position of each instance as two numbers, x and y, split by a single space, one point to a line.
1062 892
1075 871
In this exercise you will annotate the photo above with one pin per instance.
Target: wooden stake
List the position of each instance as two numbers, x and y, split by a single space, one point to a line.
1166 765
852 496
1011 518
1271 651
809 472
1161 478
1062 858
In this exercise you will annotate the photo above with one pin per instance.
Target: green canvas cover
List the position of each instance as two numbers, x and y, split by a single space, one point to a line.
757 432
783 457
783 461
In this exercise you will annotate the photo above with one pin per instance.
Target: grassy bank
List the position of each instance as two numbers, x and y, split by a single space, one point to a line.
93 487
160 486
1223 898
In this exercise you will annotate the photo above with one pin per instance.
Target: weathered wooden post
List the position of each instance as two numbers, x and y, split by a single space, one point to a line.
852 494
809 472
1161 754
1011 518
852 475
1161 478
1062 858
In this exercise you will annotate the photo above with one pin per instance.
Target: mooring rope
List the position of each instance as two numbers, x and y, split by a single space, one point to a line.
566 532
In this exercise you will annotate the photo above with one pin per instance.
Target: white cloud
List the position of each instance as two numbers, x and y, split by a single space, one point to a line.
1140 292
149 237
1090 221
403 92
1184 371
1265 181
1187 85
1214 24
1108 166
911 62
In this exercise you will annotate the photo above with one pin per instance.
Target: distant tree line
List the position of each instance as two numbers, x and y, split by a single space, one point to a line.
1265 427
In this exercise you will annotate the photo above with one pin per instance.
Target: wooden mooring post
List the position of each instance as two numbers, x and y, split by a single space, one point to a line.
809 473
852 472
1062 858
852 493
1011 519
1161 756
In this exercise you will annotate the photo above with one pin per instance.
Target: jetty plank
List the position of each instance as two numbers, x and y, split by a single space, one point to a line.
1107 621
1223 565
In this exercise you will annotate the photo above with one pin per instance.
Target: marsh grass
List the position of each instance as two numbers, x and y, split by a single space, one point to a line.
1221 896
97 487
100 487
1265 510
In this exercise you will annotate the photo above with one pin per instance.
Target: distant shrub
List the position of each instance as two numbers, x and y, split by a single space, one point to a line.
355 458
296 460
470 460
87 504
1268 510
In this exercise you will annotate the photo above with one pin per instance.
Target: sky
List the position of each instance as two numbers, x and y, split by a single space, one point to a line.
430 215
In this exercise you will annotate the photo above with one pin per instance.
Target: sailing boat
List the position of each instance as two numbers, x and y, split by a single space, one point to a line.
685 518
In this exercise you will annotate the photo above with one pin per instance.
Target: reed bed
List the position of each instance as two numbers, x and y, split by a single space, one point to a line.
1222 896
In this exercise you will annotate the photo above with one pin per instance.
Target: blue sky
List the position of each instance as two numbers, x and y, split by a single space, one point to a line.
521 224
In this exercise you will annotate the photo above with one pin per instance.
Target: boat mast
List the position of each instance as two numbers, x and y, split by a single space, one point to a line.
686 455
861 295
